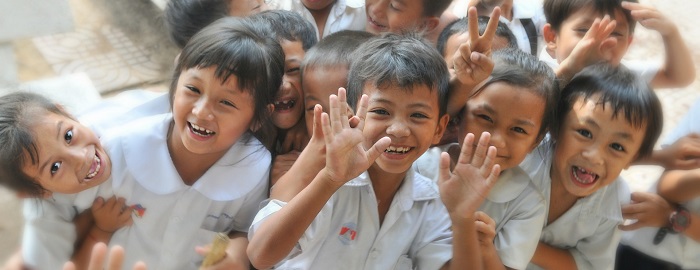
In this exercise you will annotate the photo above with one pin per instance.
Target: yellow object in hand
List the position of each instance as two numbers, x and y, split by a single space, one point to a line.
218 250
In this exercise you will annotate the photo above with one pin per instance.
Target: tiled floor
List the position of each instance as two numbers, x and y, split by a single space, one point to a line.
123 45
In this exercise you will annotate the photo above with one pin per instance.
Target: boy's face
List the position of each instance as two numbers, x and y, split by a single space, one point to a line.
318 85
317 4
594 147
288 104
394 16
243 8
210 115
512 114
573 29
410 117
71 158
454 41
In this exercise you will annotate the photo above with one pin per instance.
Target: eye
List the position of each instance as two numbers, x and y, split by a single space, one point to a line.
293 70
68 136
616 34
485 117
617 147
380 112
419 115
228 103
585 133
55 167
581 30
392 6
519 130
192 89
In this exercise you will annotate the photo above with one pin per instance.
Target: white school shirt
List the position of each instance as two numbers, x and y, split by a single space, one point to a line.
344 15
675 248
588 230
346 234
522 9
171 218
646 70
514 203
518 209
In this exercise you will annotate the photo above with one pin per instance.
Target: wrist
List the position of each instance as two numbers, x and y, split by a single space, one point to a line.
679 220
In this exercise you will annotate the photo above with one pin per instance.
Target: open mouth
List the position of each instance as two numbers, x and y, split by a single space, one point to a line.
583 176
94 168
284 105
200 130
376 24
398 150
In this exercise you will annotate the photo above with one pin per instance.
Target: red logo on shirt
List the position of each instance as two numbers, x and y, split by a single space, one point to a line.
138 210
347 233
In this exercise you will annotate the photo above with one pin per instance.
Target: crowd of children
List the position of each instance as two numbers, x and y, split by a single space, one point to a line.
381 134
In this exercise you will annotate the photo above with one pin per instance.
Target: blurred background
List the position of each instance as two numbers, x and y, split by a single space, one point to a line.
82 51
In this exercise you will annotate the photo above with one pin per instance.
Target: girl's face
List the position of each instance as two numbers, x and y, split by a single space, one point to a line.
289 105
243 8
209 115
71 158
593 147
512 114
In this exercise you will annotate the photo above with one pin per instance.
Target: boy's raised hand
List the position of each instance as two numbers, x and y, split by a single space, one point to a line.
649 17
465 188
596 46
472 63
346 156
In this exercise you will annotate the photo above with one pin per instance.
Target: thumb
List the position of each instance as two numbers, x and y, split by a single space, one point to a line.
378 148
202 250
98 203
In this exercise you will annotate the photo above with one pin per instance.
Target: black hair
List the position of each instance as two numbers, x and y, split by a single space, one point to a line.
557 11
18 111
288 25
620 90
334 50
435 7
235 47
404 61
184 18
518 68
462 26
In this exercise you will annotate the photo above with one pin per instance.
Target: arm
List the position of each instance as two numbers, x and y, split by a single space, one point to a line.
471 63
549 257
678 69
296 138
486 229
680 186
109 217
235 258
345 159
651 210
683 154
462 191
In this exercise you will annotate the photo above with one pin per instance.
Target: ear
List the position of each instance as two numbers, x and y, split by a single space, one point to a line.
630 39
440 129
430 23
550 39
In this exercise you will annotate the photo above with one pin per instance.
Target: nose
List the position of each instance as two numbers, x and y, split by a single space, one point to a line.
398 129
286 84
497 139
78 156
202 110
377 8
593 154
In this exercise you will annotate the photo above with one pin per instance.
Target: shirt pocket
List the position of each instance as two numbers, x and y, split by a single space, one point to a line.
404 263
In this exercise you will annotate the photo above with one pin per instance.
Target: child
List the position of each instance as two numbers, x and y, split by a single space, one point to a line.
173 169
388 217
574 41
606 119
516 106
404 16
323 71
184 18
296 36
328 16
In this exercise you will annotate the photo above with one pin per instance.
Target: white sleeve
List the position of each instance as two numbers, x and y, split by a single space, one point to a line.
517 240
432 247
49 234
598 251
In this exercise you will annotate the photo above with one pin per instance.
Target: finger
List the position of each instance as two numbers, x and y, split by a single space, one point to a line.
493 177
335 118
139 266
98 203
473 25
490 31
482 62
630 227
629 209
342 102
68 266
445 173
202 250
362 111
378 148
481 149
465 154
116 258
592 32
687 164
97 257
287 144
317 130
326 127
489 161
606 26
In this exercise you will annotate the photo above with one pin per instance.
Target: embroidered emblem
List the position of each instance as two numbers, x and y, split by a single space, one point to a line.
138 210
348 233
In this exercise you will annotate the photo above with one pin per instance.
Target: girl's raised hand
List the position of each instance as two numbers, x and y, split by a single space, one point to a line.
472 63
346 157
465 188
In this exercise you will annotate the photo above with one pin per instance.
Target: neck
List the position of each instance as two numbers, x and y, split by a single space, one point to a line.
320 17
384 184
190 166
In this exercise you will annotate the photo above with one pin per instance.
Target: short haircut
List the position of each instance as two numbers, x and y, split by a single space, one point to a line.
18 111
462 26
184 18
557 11
623 92
403 61
334 50
235 47
518 68
288 25
435 7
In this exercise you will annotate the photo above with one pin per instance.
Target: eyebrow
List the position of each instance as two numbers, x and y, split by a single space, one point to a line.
622 135
421 105
59 127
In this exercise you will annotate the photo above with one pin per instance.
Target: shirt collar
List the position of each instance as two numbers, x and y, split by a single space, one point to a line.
510 184
415 187
148 161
